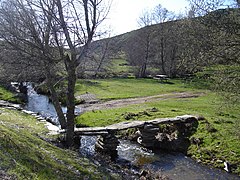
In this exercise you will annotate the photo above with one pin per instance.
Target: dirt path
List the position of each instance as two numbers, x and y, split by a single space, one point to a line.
124 102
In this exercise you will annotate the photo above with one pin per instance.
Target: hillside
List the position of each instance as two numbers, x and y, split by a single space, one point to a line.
175 48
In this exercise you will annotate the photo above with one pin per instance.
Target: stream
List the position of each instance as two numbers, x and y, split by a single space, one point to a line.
42 105
175 165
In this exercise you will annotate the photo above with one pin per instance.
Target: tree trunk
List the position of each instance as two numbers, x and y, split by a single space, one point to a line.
55 100
162 55
144 65
104 50
70 102
173 72
142 72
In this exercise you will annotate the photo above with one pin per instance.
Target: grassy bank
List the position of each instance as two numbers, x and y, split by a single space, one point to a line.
219 134
24 155
7 96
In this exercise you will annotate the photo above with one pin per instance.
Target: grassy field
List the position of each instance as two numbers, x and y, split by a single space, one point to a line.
219 132
24 155
120 88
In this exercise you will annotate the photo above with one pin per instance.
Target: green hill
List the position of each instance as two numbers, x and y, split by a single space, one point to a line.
175 48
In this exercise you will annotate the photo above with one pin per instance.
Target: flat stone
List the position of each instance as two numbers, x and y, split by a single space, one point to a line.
62 131
38 116
41 122
136 124
28 112
10 108
52 127
150 126
40 119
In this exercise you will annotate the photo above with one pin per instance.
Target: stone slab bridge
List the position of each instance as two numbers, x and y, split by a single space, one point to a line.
108 142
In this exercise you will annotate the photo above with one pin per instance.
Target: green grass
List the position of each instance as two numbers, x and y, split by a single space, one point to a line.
7 96
107 89
24 155
120 66
219 132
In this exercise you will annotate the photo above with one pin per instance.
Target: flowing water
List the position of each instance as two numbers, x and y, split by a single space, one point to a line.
175 165
41 104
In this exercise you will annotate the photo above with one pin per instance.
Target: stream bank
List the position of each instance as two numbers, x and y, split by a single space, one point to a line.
168 163
173 165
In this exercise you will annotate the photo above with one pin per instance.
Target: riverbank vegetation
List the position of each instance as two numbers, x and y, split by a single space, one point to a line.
7 95
25 154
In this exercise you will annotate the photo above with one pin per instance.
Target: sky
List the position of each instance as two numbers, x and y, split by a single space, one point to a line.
124 13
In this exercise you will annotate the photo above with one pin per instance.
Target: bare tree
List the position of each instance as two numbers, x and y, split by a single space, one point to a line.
154 16
145 19
98 59
139 50
50 32
238 3
202 7
103 58
161 14
145 41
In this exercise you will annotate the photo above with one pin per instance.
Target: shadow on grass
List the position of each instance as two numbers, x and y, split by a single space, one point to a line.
166 82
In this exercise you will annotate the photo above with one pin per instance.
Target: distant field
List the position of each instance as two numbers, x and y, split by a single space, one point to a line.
120 88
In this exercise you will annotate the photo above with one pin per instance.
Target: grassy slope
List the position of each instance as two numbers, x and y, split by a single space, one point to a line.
220 130
119 66
7 96
23 154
